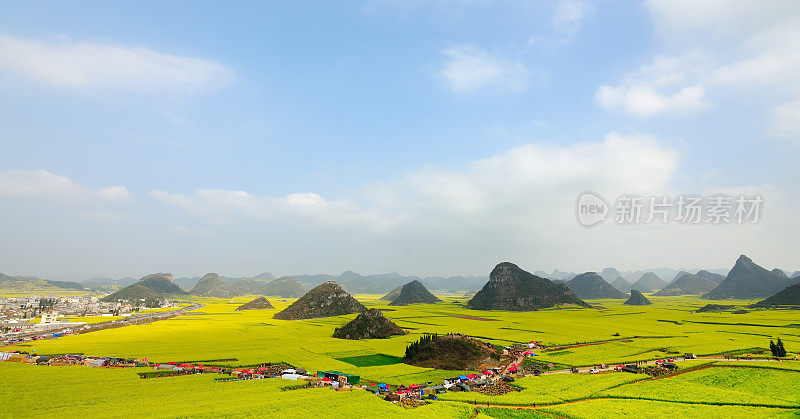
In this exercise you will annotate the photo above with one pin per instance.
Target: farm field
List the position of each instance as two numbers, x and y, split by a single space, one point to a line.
730 385
637 408
60 292
218 335
92 319
92 392
550 389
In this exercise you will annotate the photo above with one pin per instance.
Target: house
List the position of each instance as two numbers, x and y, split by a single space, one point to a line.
48 318
338 376
98 362
631 368
439 389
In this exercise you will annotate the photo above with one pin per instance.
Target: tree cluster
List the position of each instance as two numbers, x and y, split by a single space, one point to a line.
414 350
46 303
777 349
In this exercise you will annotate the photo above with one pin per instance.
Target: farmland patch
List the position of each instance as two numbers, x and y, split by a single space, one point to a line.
483 319
371 360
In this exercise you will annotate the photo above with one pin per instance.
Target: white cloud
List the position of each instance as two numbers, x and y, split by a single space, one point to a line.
468 69
181 229
105 216
786 121
646 101
114 193
222 206
659 87
37 184
569 15
86 65
743 47
513 187
42 184
509 186
721 20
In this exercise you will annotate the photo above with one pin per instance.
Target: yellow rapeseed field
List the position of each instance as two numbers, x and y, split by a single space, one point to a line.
218 334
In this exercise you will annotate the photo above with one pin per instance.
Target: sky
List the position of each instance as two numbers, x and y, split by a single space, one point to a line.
420 137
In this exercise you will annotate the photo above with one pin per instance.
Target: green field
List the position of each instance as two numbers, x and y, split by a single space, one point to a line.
92 392
614 334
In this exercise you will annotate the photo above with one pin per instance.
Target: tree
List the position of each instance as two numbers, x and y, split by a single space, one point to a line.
781 351
773 348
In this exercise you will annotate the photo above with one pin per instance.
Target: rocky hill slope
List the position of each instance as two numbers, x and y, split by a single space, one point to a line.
392 294
788 297
450 352
161 283
637 299
622 284
717 278
285 286
687 284
157 286
370 324
412 293
748 280
511 288
259 303
325 300
648 283
590 285
211 286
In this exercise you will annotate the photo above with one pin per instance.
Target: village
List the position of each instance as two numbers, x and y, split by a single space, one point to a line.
23 319
27 307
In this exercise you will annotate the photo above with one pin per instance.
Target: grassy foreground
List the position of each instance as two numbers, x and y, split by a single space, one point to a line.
220 335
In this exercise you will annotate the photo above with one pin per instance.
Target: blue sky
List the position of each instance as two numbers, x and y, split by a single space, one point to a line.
425 137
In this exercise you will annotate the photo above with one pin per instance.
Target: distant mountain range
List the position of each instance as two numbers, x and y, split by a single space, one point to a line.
621 284
355 283
714 277
383 283
648 282
25 283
